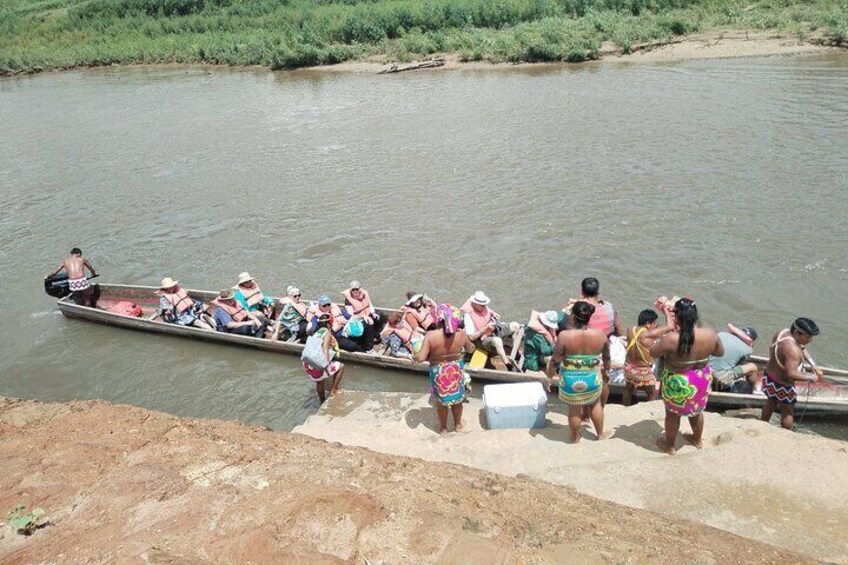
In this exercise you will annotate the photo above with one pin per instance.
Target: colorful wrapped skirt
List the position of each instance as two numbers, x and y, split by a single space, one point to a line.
776 390
686 393
580 381
447 382
639 376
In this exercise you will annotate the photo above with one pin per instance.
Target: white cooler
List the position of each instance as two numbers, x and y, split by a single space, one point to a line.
515 405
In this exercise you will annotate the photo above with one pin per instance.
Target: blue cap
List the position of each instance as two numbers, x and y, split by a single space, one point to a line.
323 300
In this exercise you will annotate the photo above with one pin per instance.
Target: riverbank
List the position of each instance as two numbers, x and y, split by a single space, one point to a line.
751 478
120 483
727 44
82 33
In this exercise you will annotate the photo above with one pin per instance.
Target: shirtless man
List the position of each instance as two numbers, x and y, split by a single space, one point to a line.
79 285
443 350
638 365
786 354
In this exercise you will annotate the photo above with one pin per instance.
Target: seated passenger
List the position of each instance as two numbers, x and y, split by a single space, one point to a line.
177 307
251 297
358 304
419 311
232 317
539 340
349 333
732 371
291 323
483 327
402 340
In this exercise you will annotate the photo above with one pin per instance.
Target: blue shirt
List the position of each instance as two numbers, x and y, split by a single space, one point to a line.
735 351
222 318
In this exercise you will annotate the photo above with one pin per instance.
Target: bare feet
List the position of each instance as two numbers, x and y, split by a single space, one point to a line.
459 428
606 435
334 392
691 439
443 432
662 445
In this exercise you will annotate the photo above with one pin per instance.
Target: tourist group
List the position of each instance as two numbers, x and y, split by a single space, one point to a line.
572 345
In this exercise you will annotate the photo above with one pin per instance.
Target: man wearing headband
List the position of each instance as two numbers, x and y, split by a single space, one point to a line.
731 370
786 356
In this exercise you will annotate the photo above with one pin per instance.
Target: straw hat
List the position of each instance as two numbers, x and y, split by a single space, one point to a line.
292 290
355 285
413 299
245 277
480 298
167 283
549 319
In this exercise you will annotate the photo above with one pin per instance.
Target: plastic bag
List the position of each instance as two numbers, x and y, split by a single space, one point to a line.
354 328
313 352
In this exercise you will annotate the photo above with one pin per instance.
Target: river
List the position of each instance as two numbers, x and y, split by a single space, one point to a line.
722 179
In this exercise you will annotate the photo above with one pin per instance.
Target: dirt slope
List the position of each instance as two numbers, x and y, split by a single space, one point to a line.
123 484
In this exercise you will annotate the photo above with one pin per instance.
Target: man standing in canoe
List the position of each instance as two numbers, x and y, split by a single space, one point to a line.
443 350
786 355
79 285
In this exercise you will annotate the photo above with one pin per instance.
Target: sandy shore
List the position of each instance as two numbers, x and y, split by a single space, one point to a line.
711 45
125 485
753 479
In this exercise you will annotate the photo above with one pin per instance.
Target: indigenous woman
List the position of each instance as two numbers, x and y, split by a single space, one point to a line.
686 377
333 369
444 349
581 357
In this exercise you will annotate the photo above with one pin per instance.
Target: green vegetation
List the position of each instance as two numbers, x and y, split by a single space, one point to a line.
48 34
24 522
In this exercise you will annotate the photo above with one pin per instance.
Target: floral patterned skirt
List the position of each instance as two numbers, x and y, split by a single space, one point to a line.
687 393
447 382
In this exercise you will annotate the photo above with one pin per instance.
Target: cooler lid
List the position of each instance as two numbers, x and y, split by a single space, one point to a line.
514 394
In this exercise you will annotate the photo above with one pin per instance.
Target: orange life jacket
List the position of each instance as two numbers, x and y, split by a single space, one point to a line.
299 306
337 319
236 311
480 320
422 318
360 307
179 300
253 296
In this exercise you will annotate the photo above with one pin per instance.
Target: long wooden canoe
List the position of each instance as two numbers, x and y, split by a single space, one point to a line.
829 401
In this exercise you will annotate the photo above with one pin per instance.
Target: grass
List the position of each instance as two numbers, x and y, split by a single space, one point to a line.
40 35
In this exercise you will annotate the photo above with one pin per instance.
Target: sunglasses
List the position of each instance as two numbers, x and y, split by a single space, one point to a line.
295 296
323 305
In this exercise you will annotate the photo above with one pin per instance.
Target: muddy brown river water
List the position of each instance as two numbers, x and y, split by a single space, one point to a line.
723 179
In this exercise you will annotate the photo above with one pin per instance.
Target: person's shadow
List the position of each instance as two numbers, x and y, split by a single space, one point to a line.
643 434
422 417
